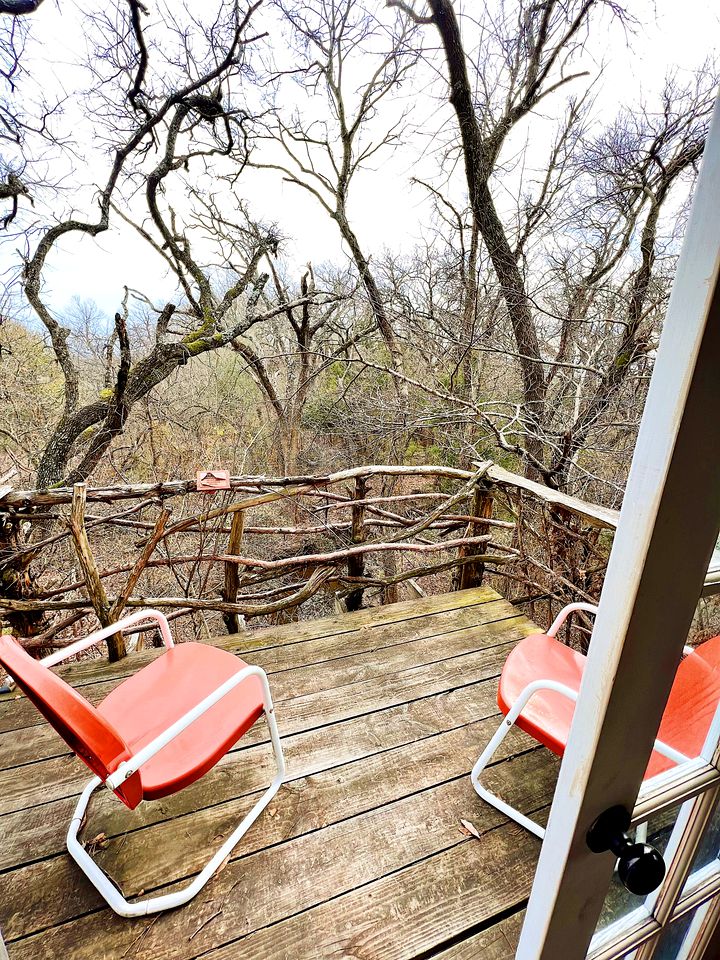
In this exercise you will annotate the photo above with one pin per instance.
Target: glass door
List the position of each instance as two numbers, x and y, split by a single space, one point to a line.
660 560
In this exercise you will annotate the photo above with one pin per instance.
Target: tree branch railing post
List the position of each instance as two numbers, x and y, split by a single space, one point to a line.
232 571
93 583
471 574
356 564
140 564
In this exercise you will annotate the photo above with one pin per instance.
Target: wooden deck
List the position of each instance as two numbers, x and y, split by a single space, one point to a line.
360 855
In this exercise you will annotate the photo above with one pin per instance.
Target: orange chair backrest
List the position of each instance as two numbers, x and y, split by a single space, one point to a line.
692 702
77 721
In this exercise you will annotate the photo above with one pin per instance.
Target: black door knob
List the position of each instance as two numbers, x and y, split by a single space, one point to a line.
641 867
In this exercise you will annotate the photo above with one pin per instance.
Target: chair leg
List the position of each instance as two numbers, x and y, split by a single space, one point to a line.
506 725
491 798
112 894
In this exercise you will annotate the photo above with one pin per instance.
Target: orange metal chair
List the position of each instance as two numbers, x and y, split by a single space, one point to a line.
153 735
539 685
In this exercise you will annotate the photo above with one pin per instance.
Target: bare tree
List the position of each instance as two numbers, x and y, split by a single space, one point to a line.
356 63
27 119
525 59
542 33
287 358
184 123
634 167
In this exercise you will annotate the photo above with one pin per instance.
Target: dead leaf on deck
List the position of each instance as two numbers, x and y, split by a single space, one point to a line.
468 829
97 843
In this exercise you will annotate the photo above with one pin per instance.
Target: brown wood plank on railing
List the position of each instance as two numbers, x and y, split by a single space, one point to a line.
594 514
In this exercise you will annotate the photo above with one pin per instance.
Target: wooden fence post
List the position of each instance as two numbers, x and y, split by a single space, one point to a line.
232 570
471 574
356 565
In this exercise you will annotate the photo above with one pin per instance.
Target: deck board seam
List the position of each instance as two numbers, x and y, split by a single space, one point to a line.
390 873
420 666
533 811
6 701
239 749
341 686
473 931
225 644
318 663
395 646
278 843
324 770
240 746
306 729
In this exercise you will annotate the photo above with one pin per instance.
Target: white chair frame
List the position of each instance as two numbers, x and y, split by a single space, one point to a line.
508 722
98 877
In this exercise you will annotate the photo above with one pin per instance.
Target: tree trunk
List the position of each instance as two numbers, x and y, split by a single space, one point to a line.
371 288
478 169
471 574
232 570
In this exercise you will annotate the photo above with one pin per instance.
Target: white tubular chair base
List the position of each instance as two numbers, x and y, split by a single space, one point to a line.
506 726
491 798
107 889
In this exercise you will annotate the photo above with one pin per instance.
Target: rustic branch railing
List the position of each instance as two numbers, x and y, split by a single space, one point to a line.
547 546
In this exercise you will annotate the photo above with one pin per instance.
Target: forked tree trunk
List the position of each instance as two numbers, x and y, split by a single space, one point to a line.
477 171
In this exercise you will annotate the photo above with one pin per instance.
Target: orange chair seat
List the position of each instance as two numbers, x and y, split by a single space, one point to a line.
147 703
548 715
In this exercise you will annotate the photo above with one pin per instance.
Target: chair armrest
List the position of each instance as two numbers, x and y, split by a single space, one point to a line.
99 635
537 685
565 613
129 767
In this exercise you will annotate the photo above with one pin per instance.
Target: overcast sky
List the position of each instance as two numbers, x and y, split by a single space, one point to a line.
385 209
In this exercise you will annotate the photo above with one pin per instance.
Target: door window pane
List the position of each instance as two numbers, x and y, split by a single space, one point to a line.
677 939
706 861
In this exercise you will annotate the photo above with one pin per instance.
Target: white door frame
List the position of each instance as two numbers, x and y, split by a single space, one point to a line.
667 530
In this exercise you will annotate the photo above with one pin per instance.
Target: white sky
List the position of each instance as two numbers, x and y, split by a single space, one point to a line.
386 211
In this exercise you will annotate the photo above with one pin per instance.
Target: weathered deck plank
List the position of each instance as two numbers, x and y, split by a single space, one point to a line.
498 942
39 832
28 785
331 633
370 640
361 854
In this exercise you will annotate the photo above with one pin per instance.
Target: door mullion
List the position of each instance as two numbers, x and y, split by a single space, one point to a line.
648 949
636 935
707 943
675 786
689 829
700 893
